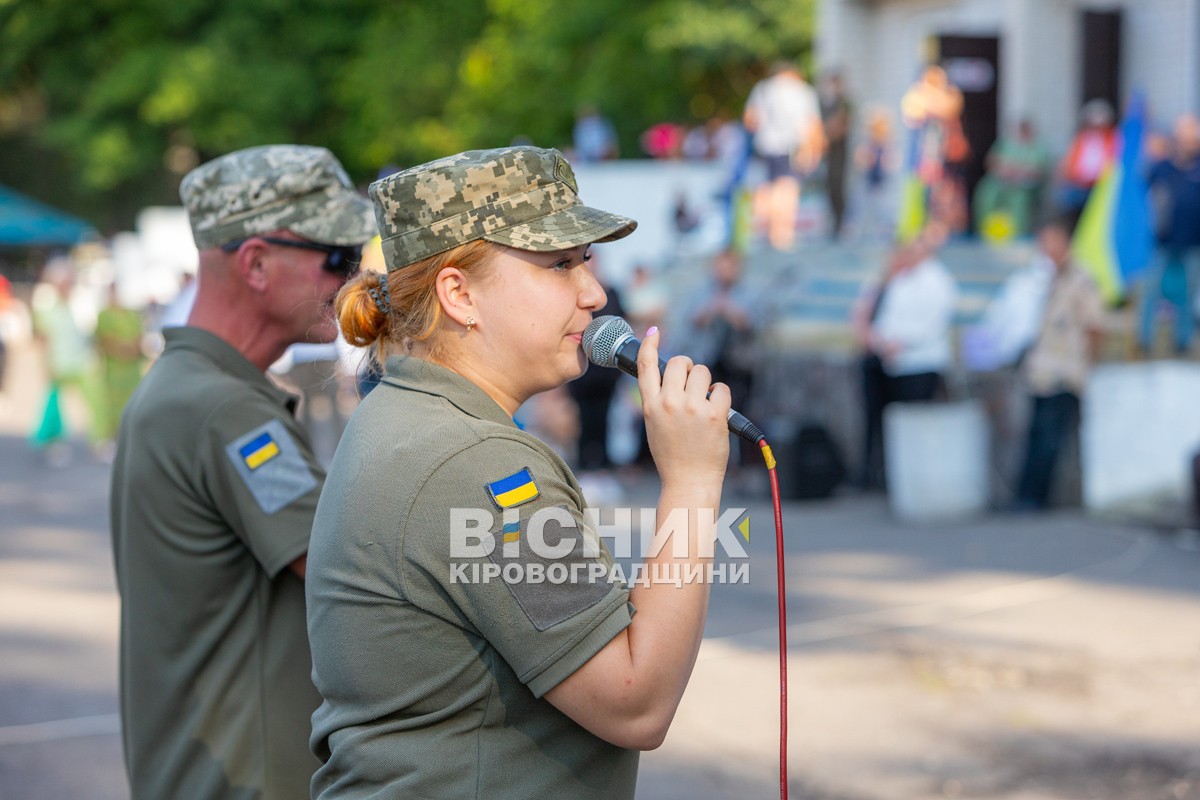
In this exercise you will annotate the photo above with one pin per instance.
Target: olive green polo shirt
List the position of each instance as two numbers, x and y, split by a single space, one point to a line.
213 490
433 685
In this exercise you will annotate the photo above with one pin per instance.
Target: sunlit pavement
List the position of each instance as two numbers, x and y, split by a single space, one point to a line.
1010 657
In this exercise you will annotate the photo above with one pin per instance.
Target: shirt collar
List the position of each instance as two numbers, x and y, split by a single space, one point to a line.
423 376
227 358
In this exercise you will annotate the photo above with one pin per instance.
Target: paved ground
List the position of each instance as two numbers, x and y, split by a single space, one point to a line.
1007 657
1047 657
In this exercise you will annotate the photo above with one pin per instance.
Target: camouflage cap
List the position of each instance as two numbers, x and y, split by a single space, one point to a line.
523 197
283 186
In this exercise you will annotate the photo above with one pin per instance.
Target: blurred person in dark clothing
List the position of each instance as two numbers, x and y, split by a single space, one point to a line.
723 318
1056 367
1175 182
593 393
838 116
722 322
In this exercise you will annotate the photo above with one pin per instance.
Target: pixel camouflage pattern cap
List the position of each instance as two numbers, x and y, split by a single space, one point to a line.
299 188
523 197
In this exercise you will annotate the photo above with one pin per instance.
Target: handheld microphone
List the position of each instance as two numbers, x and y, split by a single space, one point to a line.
608 341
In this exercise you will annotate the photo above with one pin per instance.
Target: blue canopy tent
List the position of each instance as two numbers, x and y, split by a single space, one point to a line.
24 222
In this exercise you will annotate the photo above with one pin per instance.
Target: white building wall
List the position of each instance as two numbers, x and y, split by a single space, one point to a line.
1161 40
1139 433
843 30
1042 69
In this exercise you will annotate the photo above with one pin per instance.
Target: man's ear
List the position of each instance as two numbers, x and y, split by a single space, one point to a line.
249 260
454 292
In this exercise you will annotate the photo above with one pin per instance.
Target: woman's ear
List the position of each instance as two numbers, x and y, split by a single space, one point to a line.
454 292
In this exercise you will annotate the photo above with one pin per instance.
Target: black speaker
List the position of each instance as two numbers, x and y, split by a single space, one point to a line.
810 466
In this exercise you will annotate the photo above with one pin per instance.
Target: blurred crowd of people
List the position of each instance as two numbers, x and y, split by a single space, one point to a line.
92 351
1047 317
95 352
1050 317
879 181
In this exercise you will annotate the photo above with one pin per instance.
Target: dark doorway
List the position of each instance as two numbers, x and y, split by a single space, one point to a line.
973 65
1101 69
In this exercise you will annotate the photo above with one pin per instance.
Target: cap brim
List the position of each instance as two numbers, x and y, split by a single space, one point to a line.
347 219
565 229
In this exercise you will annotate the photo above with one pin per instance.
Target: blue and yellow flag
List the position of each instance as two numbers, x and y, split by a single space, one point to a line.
1115 236
259 451
514 490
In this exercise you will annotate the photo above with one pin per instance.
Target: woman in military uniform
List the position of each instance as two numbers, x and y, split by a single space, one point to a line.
468 637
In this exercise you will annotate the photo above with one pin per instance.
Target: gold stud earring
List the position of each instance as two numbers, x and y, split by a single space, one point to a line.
470 323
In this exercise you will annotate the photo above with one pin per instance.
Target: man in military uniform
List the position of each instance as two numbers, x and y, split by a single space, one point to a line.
215 485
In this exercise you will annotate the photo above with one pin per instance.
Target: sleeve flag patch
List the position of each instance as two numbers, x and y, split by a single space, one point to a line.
272 466
258 452
514 490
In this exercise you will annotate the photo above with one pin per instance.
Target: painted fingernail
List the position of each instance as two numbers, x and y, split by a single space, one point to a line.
653 330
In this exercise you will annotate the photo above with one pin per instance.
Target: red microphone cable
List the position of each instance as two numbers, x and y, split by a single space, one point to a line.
769 457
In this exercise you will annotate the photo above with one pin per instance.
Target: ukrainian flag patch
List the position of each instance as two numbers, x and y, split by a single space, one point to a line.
259 451
272 466
514 490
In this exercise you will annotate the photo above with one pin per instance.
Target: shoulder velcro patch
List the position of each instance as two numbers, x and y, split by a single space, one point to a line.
559 542
272 466
514 490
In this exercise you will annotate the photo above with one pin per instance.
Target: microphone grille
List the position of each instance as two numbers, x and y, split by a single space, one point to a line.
601 338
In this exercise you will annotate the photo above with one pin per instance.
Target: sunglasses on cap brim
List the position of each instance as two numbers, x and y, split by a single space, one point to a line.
339 259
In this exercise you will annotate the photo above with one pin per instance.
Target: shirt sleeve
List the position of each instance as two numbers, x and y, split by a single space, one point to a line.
812 109
498 533
753 103
1091 304
262 476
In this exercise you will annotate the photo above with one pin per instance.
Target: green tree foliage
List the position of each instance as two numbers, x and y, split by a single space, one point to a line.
721 47
113 100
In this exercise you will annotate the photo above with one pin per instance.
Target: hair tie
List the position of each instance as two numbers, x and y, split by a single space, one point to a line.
382 295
